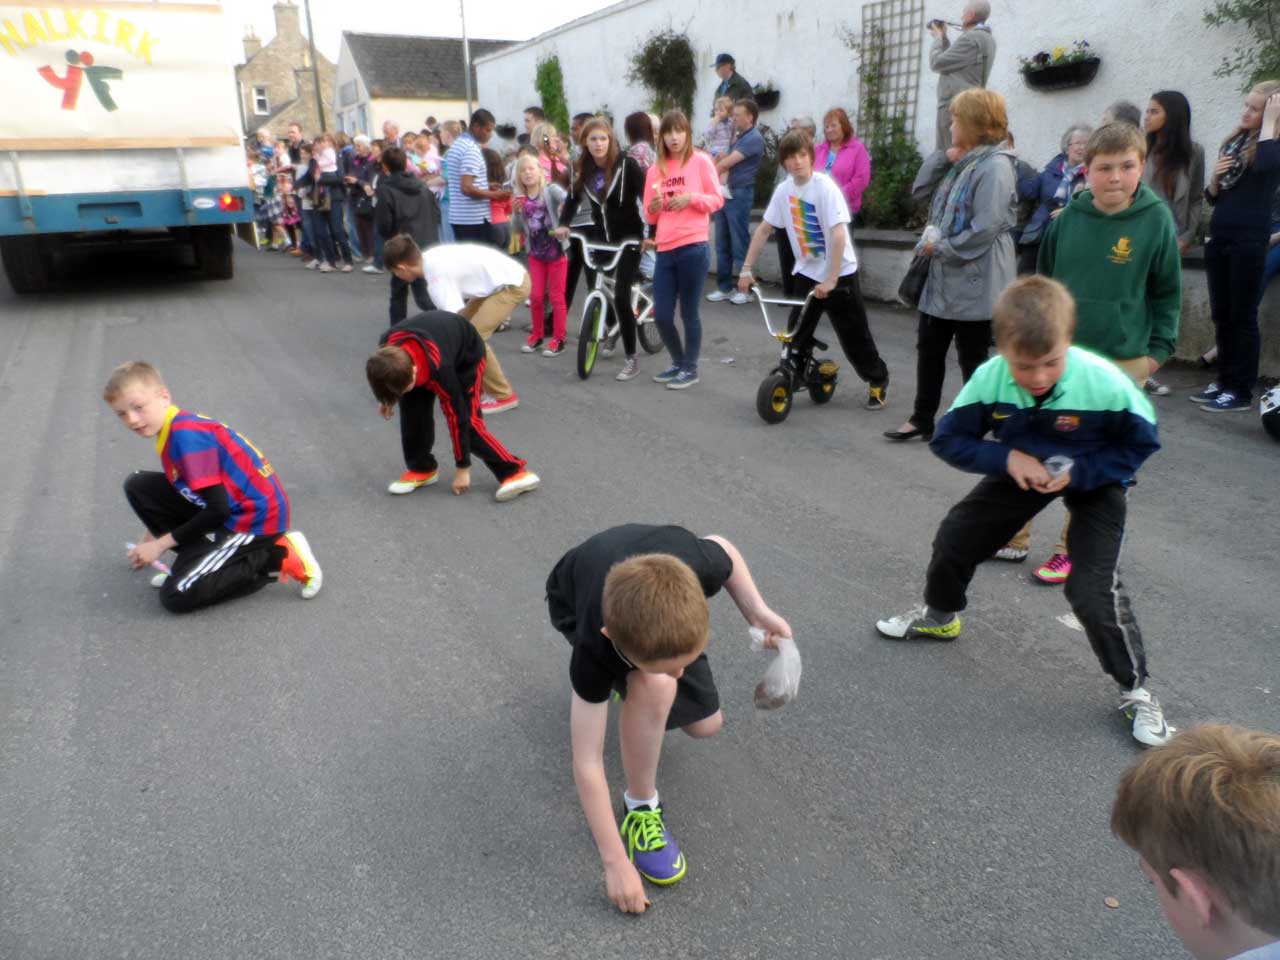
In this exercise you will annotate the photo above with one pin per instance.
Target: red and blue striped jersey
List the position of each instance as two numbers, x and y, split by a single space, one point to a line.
198 452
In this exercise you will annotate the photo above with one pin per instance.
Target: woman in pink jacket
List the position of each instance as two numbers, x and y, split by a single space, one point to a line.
843 158
681 192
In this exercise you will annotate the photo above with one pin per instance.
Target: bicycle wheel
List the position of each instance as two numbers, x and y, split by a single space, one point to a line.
593 318
773 399
646 328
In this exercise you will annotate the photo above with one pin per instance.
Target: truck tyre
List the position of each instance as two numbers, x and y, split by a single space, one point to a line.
25 264
212 246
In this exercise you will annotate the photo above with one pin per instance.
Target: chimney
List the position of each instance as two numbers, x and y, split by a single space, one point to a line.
251 45
287 20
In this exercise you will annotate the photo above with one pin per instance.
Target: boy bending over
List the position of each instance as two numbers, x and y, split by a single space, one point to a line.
440 355
1203 814
633 603
218 503
1042 399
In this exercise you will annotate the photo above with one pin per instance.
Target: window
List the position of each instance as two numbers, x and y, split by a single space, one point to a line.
362 121
347 94
261 106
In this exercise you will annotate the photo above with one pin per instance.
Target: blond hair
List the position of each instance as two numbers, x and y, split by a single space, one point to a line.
522 161
1264 89
1209 801
654 608
982 114
1115 138
1033 316
726 102
127 374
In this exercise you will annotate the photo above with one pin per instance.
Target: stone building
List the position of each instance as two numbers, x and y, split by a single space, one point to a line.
276 83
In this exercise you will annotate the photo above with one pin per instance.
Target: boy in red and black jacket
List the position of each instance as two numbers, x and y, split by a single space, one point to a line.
433 355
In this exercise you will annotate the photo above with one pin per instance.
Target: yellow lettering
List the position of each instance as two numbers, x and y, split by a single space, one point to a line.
144 46
73 23
101 35
124 33
10 38
34 29
48 25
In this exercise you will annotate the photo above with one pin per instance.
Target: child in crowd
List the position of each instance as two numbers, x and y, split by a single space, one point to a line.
1203 815
1115 246
717 139
217 504
632 602
810 207
536 214
499 210
302 181
404 208
1064 422
440 354
1245 178
682 190
330 204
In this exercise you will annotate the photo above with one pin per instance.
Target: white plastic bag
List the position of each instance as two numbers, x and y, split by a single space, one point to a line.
781 682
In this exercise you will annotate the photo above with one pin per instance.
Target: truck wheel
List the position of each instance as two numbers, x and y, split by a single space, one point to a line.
212 246
25 264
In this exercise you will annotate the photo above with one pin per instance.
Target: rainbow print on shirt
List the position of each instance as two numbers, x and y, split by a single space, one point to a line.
804 218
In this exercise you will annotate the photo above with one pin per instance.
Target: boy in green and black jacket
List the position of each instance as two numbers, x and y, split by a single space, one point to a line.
1115 246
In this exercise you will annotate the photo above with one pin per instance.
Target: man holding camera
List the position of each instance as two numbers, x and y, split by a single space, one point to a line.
961 64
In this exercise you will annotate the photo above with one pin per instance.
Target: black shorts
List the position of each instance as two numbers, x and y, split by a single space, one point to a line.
696 695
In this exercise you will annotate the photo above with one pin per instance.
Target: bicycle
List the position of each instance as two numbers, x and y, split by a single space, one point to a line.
797 369
599 330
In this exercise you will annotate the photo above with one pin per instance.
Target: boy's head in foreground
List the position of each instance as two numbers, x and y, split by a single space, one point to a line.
138 396
390 374
655 613
795 153
1203 814
1034 321
402 257
1114 158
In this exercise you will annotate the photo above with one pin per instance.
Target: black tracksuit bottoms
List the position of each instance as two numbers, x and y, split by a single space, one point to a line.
217 566
995 510
848 316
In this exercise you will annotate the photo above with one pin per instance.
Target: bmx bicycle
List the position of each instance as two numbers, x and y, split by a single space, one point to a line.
599 330
797 369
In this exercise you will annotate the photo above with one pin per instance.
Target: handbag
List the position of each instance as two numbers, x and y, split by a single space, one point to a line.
364 207
911 288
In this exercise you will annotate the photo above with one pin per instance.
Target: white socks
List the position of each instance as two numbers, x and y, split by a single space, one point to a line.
632 803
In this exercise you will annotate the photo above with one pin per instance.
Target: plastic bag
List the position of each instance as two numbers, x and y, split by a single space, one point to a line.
781 682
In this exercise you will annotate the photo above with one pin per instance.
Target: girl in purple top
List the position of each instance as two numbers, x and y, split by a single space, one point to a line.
843 158
536 213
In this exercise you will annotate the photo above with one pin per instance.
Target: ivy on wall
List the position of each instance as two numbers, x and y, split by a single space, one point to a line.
665 65
550 86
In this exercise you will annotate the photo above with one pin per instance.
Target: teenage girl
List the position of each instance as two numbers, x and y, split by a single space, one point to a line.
682 190
613 184
1245 177
536 209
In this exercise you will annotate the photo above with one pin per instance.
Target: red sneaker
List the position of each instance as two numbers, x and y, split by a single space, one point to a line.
411 480
1055 571
498 406
514 485
300 563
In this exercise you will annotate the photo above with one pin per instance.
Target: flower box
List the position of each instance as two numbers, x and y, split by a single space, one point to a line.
767 99
1063 76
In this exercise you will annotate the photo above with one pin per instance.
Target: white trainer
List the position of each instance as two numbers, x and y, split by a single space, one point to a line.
716 296
159 579
522 482
369 268
739 298
1144 710
300 564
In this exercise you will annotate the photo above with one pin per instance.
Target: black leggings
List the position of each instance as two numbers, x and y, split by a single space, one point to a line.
848 317
973 340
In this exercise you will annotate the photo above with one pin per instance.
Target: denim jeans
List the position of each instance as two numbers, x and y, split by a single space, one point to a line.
733 234
308 224
351 221
399 307
680 273
1234 269
378 241
332 233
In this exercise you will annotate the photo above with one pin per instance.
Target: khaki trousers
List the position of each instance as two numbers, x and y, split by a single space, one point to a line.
486 314
1135 368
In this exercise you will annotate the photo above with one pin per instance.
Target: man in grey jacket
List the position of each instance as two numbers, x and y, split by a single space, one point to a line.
961 64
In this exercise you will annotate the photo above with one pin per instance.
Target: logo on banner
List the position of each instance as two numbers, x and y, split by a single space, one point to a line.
80 66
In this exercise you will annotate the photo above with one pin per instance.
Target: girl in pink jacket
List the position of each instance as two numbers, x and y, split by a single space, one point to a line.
681 192
843 158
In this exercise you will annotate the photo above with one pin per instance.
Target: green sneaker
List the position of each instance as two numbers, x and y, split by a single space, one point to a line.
651 847
918 624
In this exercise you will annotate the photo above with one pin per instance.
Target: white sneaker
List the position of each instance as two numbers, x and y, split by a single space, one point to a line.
630 370
522 482
312 264
1148 718
1011 554
347 268
300 564
716 296
370 268
159 579
739 298
917 624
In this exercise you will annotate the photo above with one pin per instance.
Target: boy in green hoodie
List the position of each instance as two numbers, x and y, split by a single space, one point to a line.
1115 247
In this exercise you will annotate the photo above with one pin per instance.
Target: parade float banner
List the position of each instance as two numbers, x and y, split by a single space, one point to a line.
116 75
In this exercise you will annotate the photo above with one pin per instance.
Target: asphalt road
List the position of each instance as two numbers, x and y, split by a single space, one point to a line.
383 772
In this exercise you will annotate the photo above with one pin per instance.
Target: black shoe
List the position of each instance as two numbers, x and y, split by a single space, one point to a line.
901 435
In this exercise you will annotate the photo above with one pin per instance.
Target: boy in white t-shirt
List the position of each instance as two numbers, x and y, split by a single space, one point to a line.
812 210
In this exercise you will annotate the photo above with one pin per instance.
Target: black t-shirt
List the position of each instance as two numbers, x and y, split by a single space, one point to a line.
575 592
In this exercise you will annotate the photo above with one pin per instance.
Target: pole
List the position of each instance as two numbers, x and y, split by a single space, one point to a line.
466 55
315 66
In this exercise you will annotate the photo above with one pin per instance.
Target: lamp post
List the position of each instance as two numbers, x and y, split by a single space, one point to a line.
315 66
466 55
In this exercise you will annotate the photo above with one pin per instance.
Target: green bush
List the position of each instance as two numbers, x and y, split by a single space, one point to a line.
1258 58
666 67
767 175
887 202
550 85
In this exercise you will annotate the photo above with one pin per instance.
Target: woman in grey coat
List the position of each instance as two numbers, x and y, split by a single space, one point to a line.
974 211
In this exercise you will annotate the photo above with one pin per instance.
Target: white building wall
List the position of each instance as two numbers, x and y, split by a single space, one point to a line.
1145 45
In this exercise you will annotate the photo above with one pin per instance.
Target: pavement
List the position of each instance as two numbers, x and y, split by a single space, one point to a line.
383 771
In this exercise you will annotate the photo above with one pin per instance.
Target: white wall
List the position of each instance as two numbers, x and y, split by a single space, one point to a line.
1145 45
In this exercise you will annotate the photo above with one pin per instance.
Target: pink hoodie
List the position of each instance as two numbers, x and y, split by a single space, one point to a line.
678 228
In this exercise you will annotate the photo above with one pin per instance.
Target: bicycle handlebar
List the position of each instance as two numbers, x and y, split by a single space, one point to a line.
588 246
762 300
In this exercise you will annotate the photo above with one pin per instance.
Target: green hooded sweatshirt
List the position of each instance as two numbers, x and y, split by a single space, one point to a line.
1124 270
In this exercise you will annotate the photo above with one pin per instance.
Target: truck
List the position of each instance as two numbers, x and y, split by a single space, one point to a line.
121 119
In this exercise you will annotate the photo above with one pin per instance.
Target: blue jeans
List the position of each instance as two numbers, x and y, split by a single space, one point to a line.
309 234
733 234
377 249
680 273
349 218
332 234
